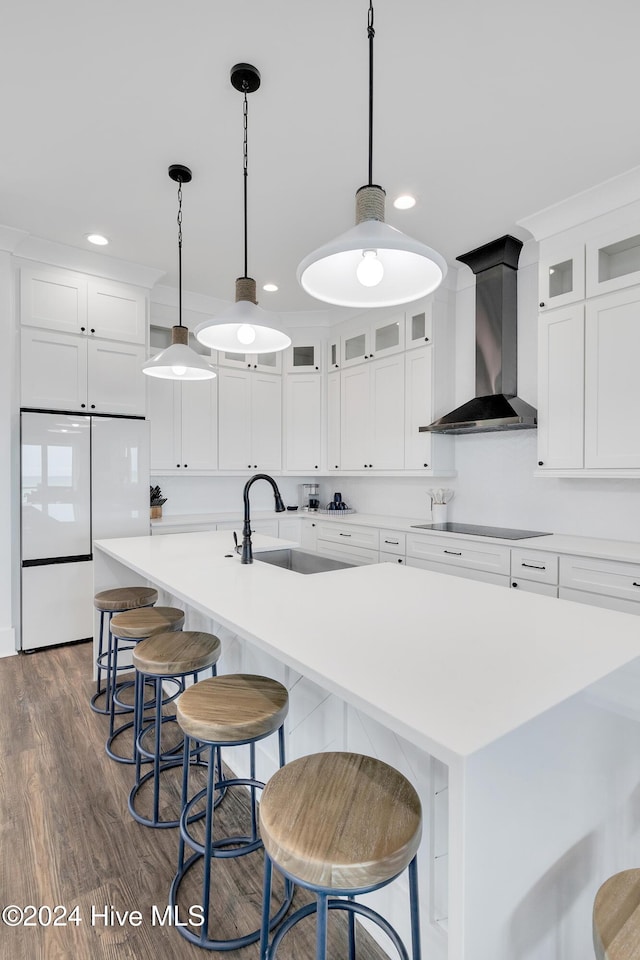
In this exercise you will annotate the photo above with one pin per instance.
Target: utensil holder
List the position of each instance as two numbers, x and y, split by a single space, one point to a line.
438 512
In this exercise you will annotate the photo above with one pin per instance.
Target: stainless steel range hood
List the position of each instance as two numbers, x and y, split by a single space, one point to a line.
496 406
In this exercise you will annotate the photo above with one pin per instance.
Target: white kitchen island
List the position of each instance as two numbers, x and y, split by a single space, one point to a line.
513 714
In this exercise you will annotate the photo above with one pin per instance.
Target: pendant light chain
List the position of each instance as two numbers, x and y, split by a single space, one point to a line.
370 34
179 253
245 165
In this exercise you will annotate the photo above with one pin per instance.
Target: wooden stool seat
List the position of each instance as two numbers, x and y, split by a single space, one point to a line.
176 653
340 820
124 598
616 917
232 708
144 622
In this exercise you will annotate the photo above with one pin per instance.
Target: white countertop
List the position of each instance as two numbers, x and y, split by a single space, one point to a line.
449 663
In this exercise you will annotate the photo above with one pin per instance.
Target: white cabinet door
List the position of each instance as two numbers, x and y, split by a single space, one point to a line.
54 370
561 273
612 384
333 421
199 424
116 311
116 381
387 414
234 423
303 418
418 408
561 389
266 422
355 445
164 413
53 299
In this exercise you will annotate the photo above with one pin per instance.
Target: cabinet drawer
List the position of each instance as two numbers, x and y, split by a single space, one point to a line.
468 573
608 577
348 534
347 552
531 586
460 553
534 565
391 542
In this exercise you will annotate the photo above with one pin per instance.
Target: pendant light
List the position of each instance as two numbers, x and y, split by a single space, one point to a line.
372 264
179 361
244 325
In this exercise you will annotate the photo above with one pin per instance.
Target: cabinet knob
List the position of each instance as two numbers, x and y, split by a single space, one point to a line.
541 463
336 365
370 465
83 405
365 466
336 467
82 329
514 584
93 406
426 339
317 368
400 560
92 330
316 466
425 464
248 466
186 465
542 303
177 464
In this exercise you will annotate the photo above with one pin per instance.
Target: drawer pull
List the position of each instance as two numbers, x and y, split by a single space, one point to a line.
454 553
395 542
345 534
634 584
533 566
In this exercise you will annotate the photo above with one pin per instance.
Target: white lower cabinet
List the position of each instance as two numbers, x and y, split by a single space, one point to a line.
607 583
348 542
62 371
464 554
303 420
250 420
530 586
183 425
289 528
534 571
470 573
309 535
391 558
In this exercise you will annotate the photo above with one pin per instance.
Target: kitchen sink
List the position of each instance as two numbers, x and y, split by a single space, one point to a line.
300 561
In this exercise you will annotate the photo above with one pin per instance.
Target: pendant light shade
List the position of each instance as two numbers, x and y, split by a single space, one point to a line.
372 264
244 327
179 361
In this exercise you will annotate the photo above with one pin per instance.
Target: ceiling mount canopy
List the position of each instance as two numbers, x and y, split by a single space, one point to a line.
179 361
372 264
244 326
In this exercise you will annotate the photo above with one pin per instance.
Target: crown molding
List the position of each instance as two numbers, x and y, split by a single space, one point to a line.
85 261
10 238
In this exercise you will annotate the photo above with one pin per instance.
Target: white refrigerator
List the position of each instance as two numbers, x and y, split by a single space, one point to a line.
83 478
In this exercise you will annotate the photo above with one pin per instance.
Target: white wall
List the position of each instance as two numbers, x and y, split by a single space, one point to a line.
9 531
224 494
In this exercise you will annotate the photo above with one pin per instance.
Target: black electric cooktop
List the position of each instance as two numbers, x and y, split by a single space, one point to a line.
474 530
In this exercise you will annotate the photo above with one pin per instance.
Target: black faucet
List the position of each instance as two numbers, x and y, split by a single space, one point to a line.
247 553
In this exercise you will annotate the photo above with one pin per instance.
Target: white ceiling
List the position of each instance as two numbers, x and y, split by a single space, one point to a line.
486 110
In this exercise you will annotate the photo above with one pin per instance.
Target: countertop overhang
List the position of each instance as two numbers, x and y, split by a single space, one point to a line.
450 664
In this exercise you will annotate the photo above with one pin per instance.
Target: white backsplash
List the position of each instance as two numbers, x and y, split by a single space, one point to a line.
193 494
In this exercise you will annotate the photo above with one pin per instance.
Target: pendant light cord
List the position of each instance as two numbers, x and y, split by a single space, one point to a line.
180 253
245 114
370 34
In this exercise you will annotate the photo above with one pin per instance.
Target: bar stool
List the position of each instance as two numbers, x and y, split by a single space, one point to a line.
226 711
109 602
340 824
165 656
134 625
616 917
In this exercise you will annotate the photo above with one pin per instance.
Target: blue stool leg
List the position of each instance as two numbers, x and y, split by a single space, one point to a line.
156 759
254 809
415 914
137 719
208 837
266 908
185 793
321 927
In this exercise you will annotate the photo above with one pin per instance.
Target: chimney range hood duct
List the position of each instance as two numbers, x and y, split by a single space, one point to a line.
496 406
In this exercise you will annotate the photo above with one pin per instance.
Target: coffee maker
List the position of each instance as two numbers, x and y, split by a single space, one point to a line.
309 496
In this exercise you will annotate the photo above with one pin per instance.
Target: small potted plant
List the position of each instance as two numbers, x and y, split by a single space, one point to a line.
156 500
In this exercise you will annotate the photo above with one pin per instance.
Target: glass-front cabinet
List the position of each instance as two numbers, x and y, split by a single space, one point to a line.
561 276
380 339
419 325
303 357
613 261
266 362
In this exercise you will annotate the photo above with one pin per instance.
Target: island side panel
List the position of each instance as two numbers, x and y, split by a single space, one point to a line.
550 811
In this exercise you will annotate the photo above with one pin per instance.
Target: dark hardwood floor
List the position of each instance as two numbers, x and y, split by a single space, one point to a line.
67 838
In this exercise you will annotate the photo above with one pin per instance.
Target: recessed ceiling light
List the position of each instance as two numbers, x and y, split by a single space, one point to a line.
270 287
404 202
97 238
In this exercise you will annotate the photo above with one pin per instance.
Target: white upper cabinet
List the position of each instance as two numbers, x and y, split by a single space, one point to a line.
61 300
266 362
419 326
184 425
561 274
303 357
374 339
65 372
418 379
250 421
372 416
613 260
561 389
333 420
333 354
612 384
303 422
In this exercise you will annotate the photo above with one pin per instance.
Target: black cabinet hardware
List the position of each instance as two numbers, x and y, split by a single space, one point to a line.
533 566
454 553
